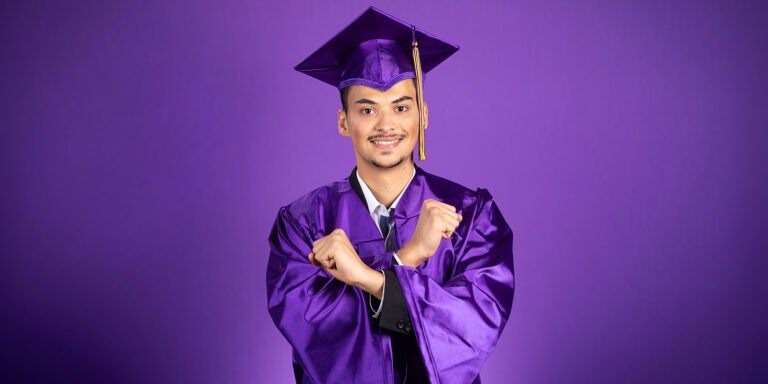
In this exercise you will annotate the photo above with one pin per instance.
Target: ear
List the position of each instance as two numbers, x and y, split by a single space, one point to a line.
343 128
426 115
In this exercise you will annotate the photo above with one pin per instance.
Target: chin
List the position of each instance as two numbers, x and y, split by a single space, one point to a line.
388 165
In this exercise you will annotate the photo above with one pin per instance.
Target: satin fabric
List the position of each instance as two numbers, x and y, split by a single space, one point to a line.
374 50
459 300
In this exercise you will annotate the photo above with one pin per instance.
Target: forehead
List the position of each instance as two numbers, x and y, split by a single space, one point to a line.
400 89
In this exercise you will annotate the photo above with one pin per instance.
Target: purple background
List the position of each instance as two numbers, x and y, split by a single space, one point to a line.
147 147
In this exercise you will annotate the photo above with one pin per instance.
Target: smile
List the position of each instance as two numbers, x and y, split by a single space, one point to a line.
386 142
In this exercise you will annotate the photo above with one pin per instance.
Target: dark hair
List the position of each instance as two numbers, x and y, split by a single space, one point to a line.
344 93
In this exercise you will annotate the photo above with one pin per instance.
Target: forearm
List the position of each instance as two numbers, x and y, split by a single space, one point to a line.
370 281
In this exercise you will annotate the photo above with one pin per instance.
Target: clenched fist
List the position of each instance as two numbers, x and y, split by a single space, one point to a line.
437 221
335 254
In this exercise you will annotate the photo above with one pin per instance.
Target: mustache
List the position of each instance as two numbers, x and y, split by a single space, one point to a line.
387 135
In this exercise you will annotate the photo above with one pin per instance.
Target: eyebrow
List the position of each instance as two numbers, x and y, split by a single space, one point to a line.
368 101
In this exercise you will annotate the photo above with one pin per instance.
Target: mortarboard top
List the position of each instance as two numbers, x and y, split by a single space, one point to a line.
355 51
374 51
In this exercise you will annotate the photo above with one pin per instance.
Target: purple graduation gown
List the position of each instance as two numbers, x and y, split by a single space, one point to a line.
459 300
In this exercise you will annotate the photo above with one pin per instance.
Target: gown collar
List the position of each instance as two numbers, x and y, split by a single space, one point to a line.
411 198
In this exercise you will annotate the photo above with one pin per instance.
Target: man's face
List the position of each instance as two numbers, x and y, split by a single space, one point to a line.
383 126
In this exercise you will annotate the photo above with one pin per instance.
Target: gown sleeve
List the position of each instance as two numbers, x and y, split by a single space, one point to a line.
457 322
325 321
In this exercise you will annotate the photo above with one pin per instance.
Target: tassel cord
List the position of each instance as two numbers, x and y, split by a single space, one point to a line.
419 97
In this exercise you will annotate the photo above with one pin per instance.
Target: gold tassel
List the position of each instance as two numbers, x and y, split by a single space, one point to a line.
419 96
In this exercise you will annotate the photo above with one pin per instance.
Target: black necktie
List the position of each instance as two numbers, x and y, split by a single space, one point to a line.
386 223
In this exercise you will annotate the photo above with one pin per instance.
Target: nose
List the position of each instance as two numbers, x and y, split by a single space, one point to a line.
387 121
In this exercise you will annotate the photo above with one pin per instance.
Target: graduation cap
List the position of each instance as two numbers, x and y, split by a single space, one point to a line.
378 50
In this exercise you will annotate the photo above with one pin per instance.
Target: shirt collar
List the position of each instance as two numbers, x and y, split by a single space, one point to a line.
370 199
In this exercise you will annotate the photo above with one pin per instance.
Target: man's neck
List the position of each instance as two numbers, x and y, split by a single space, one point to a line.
386 183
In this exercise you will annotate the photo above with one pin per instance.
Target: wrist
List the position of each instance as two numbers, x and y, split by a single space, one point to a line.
372 281
410 255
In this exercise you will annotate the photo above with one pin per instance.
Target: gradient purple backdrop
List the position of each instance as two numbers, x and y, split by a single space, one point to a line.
147 147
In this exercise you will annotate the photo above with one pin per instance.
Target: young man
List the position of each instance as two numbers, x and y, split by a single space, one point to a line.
392 275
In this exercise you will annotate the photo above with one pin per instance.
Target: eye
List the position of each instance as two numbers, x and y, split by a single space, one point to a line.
367 111
401 108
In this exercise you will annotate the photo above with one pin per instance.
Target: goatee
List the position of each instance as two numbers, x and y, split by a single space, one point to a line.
377 165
